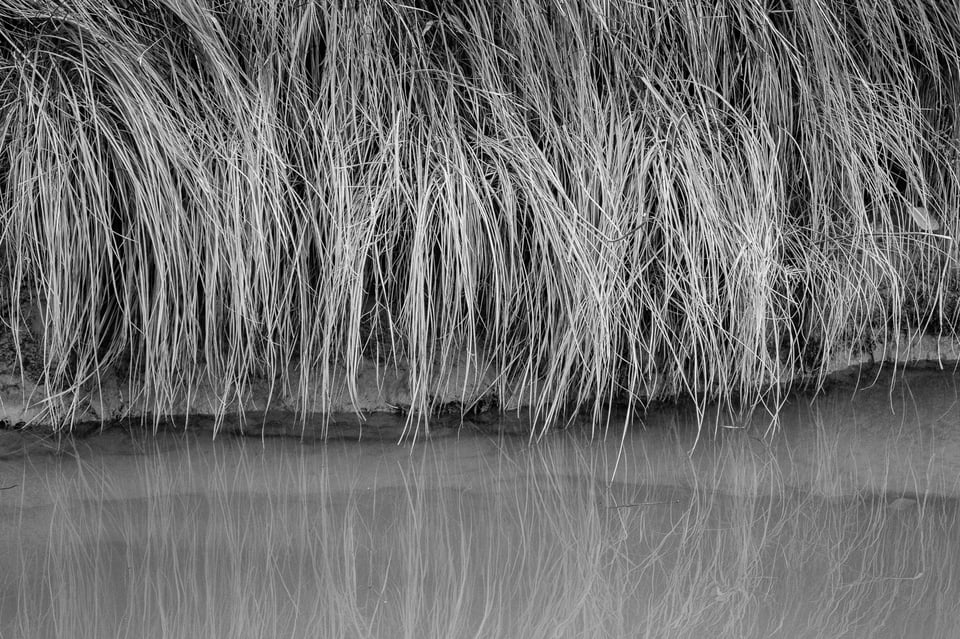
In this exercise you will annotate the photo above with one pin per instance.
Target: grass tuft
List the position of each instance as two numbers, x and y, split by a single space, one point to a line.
593 201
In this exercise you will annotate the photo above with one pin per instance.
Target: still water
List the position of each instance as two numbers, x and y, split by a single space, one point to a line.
836 519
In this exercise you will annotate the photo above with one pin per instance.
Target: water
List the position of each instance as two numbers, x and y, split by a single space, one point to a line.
841 523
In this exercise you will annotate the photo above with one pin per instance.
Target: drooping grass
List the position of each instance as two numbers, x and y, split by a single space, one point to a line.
591 201
274 541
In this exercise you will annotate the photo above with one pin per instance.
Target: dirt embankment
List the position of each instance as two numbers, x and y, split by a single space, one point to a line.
24 400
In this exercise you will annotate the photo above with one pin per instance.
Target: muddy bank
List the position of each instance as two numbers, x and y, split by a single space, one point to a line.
379 389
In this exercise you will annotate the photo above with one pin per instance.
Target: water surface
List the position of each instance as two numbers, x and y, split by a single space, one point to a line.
839 518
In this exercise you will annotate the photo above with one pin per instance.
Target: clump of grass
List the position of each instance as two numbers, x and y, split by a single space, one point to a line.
593 201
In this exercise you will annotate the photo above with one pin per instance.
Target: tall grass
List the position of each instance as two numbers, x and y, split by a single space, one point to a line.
589 201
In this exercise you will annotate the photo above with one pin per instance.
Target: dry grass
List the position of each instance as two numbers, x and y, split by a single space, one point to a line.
597 200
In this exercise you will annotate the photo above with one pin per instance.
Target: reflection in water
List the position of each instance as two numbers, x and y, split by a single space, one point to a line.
842 524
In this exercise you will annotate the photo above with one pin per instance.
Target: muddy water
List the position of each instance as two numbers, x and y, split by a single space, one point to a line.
839 518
